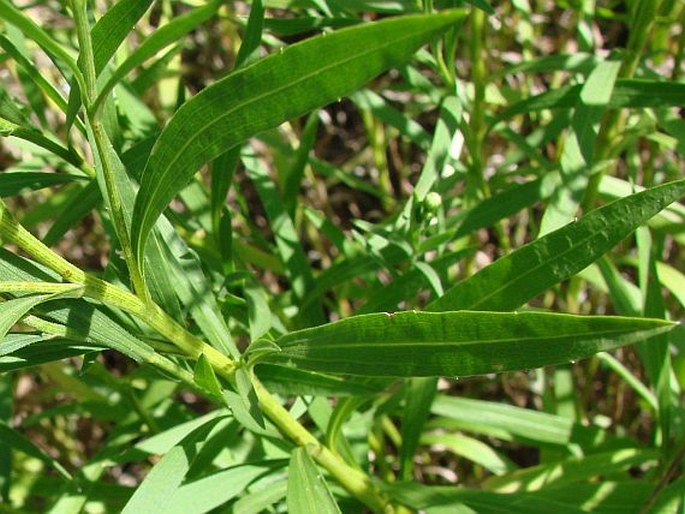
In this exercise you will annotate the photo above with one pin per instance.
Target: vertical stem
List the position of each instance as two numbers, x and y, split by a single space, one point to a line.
614 121
680 50
86 62
477 125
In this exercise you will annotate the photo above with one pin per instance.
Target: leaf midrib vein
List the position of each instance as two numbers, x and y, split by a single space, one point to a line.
379 344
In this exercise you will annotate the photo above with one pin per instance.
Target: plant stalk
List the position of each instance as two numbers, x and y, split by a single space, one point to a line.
614 121
356 482
102 145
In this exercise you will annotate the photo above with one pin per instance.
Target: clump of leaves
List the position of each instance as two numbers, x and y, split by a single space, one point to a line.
291 284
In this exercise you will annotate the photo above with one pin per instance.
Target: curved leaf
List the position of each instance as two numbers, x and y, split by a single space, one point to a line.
513 280
16 183
457 343
276 89
159 39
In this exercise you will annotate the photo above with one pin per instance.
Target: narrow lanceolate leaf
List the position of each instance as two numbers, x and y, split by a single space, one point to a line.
513 280
278 88
161 38
12 311
11 14
308 493
18 441
12 184
111 30
633 93
457 343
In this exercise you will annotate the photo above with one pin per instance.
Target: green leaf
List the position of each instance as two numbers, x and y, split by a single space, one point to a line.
89 322
54 49
256 502
16 183
602 497
205 377
24 350
14 439
18 341
288 243
276 89
259 314
457 343
308 492
157 492
578 62
36 137
258 350
381 109
13 310
33 71
77 207
115 26
571 470
157 489
214 490
471 449
577 158
249 46
634 93
419 396
163 442
446 137
11 437
248 395
10 108
295 382
159 39
505 204
511 423
513 280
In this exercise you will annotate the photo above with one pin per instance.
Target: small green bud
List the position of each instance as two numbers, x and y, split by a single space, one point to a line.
432 203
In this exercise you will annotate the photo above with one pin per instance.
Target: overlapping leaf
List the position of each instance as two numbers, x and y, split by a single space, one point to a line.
271 91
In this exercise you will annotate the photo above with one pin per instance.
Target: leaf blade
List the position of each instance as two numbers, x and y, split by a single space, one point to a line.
308 493
295 74
459 343
511 281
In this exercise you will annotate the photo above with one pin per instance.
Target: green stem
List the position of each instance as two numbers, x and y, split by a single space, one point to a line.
477 125
108 294
354 481
37 287
680 50
102 146
614 121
